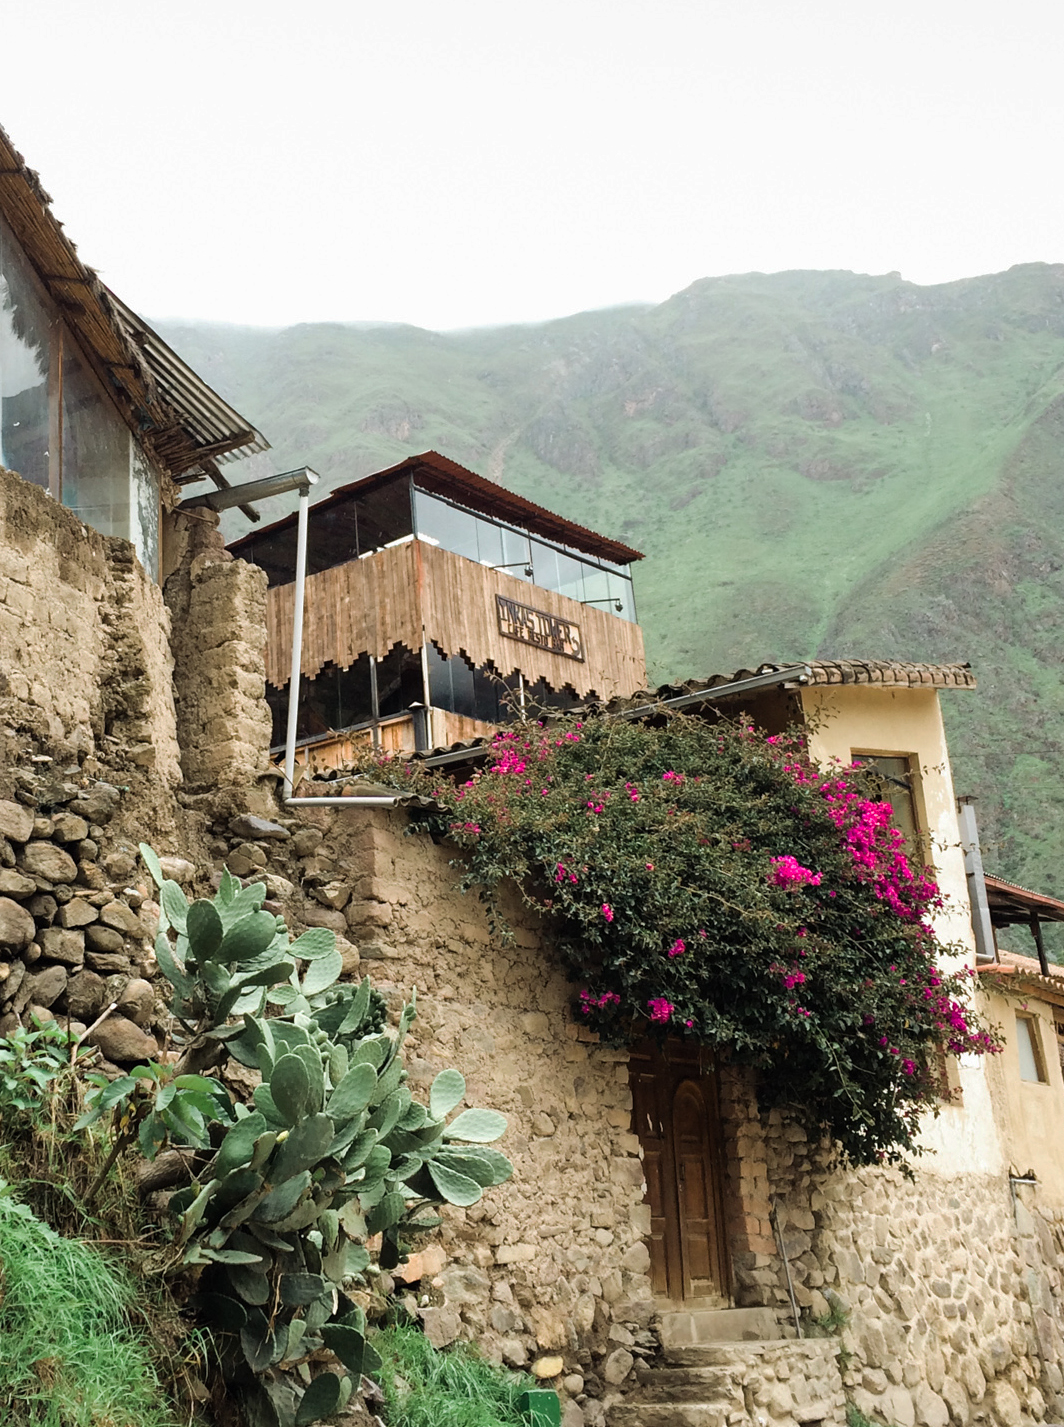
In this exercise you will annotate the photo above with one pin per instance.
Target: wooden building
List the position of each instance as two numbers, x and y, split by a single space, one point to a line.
438 605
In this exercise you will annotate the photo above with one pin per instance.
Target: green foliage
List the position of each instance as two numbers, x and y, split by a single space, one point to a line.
333 1150
34 1065
708 882
839 464
424 1387
68 1357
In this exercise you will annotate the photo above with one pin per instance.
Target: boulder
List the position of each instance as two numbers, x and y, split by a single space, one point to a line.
85 995
250 826
77 913
178 869
545 1368
70 828
59 945
13 975
14 884
44 859
122 918
41 988
122 1041
99 803
441 1325
108 962
100 938
42 907
16 924
137 1002
16 822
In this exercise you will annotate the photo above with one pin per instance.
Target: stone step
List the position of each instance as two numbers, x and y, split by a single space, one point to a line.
717 1325
692 1384
668 1414
713 1355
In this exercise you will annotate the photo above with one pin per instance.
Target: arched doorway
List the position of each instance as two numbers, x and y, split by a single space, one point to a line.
676 1115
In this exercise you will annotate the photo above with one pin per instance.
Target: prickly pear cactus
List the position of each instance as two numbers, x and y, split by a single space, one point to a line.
333 1150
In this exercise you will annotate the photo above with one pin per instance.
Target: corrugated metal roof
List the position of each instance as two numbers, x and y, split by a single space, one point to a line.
1010 896
167 406
216 429
442 476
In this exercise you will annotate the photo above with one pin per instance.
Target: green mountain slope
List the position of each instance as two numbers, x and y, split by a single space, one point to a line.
813 462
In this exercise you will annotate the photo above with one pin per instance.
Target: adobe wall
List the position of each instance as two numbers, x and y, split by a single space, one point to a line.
218 609
84 653
551 1265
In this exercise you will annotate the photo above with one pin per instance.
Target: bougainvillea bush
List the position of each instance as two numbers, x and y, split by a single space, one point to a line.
707 881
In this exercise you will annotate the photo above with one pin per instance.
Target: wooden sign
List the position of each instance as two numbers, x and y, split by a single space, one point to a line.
538 628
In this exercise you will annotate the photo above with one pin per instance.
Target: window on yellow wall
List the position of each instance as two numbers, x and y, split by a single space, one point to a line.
896 775
1029 1050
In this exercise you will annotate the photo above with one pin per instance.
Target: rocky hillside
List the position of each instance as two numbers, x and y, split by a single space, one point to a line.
815 463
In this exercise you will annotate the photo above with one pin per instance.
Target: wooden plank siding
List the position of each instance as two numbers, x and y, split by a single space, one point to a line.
417 592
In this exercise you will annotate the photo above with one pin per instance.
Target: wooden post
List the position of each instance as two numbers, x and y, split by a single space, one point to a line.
1036 932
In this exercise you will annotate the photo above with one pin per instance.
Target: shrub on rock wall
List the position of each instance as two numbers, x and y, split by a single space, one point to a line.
289 1190
712 883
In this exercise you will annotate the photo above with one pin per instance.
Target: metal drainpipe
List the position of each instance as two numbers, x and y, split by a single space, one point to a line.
985 945
293 683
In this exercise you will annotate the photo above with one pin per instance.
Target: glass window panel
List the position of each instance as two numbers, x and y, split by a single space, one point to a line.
456 530
384 515
597 588
145 512
451 684
399 681
544 566
570 577
1027 1049
355 693
894 774
26 337
489 543
516 554
96 459
621 592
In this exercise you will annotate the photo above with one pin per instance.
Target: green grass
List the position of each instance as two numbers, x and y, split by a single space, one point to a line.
455 1387
68 1357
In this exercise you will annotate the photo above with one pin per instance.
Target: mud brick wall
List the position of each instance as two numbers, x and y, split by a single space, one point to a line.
218 608
85 663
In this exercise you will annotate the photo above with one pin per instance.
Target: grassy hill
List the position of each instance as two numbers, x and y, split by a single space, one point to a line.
815 463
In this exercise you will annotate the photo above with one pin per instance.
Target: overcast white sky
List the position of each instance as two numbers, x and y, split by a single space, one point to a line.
467 162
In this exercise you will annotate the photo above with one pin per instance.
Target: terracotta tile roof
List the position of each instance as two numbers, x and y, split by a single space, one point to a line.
744 683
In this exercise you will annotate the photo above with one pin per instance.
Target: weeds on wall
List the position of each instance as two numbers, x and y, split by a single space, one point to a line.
709 882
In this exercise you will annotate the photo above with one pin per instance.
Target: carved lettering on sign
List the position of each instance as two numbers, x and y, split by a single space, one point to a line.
537 627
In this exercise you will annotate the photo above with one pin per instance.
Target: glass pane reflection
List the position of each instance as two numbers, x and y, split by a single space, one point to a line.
26 337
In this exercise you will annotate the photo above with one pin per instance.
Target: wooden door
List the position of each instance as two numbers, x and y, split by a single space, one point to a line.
675 1114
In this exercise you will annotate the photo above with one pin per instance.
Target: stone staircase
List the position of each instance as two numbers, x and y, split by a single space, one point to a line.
728 1368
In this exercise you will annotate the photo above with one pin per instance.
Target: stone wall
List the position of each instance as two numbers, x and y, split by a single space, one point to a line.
550 1269
218 606
85 664
949 1285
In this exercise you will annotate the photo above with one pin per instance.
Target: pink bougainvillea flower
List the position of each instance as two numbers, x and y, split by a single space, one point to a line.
789 872
660 1009
607 911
